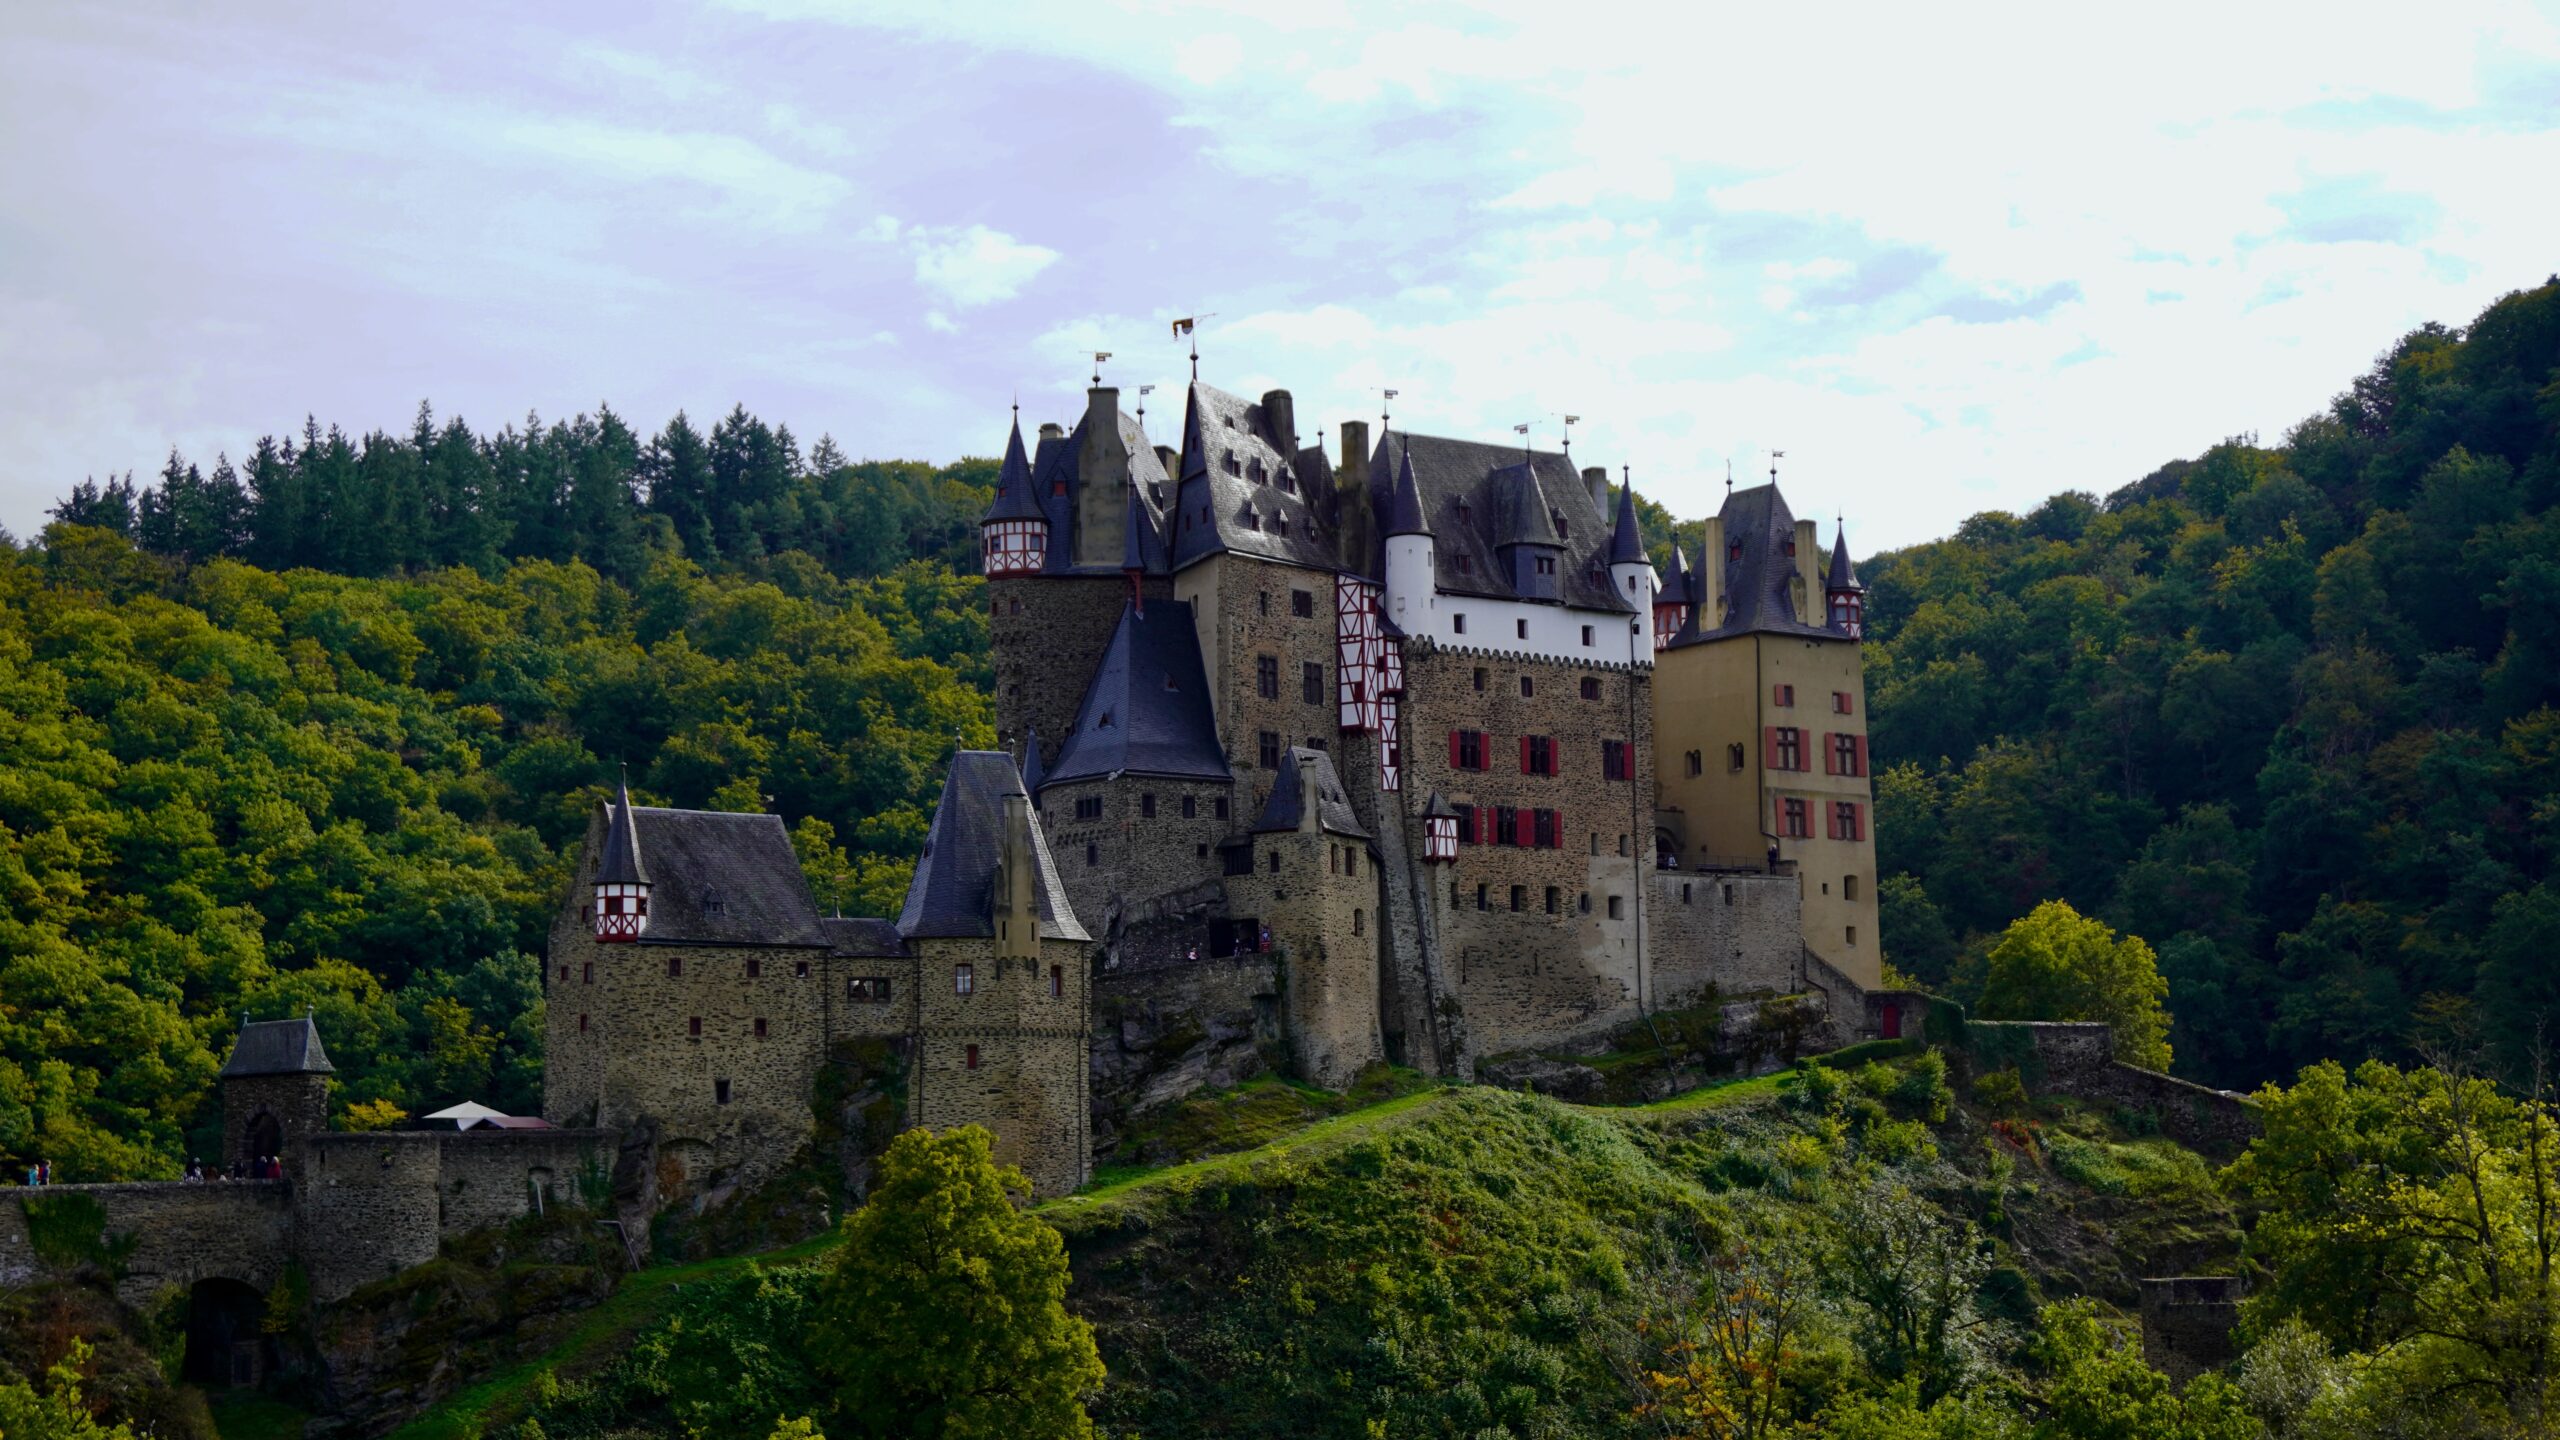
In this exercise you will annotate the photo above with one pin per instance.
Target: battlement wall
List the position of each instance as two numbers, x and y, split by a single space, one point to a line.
489 1177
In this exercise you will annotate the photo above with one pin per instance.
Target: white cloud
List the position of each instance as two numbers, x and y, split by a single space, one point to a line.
973 265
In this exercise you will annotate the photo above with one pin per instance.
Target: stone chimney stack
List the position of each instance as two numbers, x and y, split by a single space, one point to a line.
1171 460
1310 817
1017 897
1595 478
1281 414
1355 521
1053 431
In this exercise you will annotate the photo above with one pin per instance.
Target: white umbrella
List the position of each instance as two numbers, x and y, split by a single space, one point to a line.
467 1114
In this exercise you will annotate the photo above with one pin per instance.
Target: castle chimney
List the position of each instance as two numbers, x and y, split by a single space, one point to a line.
1102 409
1354 518
1053 431
1310 819
1281 414
1355 448
1595 478
1171 460
1017 899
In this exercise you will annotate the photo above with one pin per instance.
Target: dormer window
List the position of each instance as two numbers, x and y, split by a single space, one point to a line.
1562 530
1546 564
1155 492
1791 549
1104 723
1733 551
1234 466
1465 566
1252 521
714 903
1280 524
1464 514
1253 469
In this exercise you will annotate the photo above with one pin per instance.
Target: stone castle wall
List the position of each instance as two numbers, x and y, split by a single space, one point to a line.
1320 892
367 1208
299 1105
1244 610
238 1230
1119 861
1046 634
1010 1054
1732 933
2077 1058
1163 1030
489 1177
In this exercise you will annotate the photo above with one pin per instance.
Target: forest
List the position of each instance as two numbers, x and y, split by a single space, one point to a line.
318 729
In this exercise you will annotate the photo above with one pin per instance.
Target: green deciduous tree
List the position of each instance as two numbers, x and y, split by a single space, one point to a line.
944 1317
2057 964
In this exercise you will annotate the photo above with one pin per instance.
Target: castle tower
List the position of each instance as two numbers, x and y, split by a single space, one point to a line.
1848 597
1015 531
622 881
1631 569
1411 581
1314 885
1760 724
1003 976
275 1092
1103 450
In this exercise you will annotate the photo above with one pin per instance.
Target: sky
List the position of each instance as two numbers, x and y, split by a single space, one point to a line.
1947 259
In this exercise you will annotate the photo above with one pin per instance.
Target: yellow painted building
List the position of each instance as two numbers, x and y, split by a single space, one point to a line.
1760 723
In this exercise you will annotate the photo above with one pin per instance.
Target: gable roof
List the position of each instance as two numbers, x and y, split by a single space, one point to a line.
1056 484
1626 539
1288 801
953 893
1220 506
1677 587
1404 505
1489 485
277 1047
1758 527
1146 710
721 878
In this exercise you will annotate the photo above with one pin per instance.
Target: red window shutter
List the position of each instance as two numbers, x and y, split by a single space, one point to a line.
1524 754
1862 753
1830 759
1857 822
1832 819
1769 746
1555 757
1453 749
1778 815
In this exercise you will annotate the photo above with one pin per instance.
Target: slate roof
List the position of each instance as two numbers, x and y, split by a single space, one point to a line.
1146 710
1014 500
1141 549
864 936
1758 524
1843 576
724 879
1288 802
277 1047
1677 588
1626 540
1487 480
953 893
1053 465
1404 503
1438 808
1218 510
621 864
1031 772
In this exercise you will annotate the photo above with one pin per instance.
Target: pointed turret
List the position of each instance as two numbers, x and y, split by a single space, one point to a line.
1032 770
1672 603
1439 829
1631 572
1404 509
1626 546
1412 582
622 879
1848 598
1015 531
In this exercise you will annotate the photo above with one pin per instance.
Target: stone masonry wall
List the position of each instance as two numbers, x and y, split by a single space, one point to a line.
1736 932
2077 1058
1532 975
1320 894
1126 858
239 1230
367 1207
1045 635
573 1022
1162 1031
1245 611
489 1177
1030 1080
299 1103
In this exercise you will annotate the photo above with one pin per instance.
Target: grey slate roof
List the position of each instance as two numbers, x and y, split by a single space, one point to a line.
724 879
1450 473
621 864
1217 510
277 1047
1014 500
1677 587
1054 466
1031 771
1140 548
1146 710
1524 514
1626 540
1404 505
864 936
953 893
1288 803
1843 576
1759 526
1438 808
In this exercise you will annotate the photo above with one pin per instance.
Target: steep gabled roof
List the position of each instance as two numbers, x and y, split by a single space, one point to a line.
1473 500
953 893
1758 527
1055 483
1014 498
1843 576
724 878
1678 588
1140 548
277 1047
1404 503
1626 539
1031 768
1146 710
1220 506
1288 801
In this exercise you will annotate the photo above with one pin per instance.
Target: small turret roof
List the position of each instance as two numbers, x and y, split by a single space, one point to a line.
1843 577
1288 802
1032 771
1525 517
954 890
621 863
1404 506
1014 498
1626 546
277 1047
1438 808
1678 588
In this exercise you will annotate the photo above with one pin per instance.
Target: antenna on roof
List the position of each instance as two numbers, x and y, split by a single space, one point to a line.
1098 357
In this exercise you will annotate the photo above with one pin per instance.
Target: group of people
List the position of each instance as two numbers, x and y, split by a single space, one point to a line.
39 1172
262 1167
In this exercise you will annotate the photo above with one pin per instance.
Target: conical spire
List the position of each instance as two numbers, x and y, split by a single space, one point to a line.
621 863
1676 589
1404 508
1014 500
1031 768
1626 547
1140 529
1842 577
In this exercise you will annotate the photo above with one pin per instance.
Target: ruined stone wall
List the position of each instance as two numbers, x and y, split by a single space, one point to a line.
1164 1030
1045 635
1010 1055
239 1230
2077 1058
489 1177
573 1018
677 1021
1123 859
367 1207
1527 975
2187 1323
1734 932
1319 895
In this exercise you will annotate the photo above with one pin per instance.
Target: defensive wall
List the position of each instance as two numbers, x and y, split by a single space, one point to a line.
2077 1058
179 1234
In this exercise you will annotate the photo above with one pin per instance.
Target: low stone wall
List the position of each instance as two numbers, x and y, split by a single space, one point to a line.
1162 1031
2077 1058
489 1177
2187 1322
238 1230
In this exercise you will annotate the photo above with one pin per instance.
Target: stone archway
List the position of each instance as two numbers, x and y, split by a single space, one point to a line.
227 1348
265 1137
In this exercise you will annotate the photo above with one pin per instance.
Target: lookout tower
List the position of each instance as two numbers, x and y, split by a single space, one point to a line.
1015 530
622 881
275 1091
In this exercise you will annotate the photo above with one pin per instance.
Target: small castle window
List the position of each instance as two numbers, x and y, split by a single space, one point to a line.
867 990
1554 899
1311 682
1733 551
1465 565
799 969
1252 521
719 1092
1266 676
1358 925
693 1026
1733 754
1458 623
760 1031
1057 981
1728 894
1848 887
1092 856
587 973
1697 766
714 903
1275 862
564 974
1562 531
964 980
1853 935
1464 514
969 1056
1104 723
1267 749
1791 547
1527 687
1190 807
1520 629
1253 469
1235 467
1519 898
1590 686
1221 807
1617 907
1280 524
1684 892
675 967
1302 603
1546 564
1481 902
582 1024
1147 806
1479 678
1584 904
755 969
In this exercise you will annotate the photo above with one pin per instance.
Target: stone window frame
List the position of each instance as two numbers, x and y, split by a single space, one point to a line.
1519 898
755 968
720 1090
1266 745
693 1027
1190 807
1458 619
968 1057
1311 681
1617 907
1146 805
1302 603
1266 676
759 1028
1057 982
868 990
1586 637
964 978
1555 900
1528 688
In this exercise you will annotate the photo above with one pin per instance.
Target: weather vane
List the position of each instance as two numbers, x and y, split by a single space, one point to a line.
1774 457
1569 422
1143 392
1190 325
1384 397
1098 357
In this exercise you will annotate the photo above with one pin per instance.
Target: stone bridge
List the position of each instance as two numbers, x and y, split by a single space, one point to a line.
180 1234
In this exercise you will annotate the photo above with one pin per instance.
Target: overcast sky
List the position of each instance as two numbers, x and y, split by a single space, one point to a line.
1946 264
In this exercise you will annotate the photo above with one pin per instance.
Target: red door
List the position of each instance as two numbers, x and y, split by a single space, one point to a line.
1891 1022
